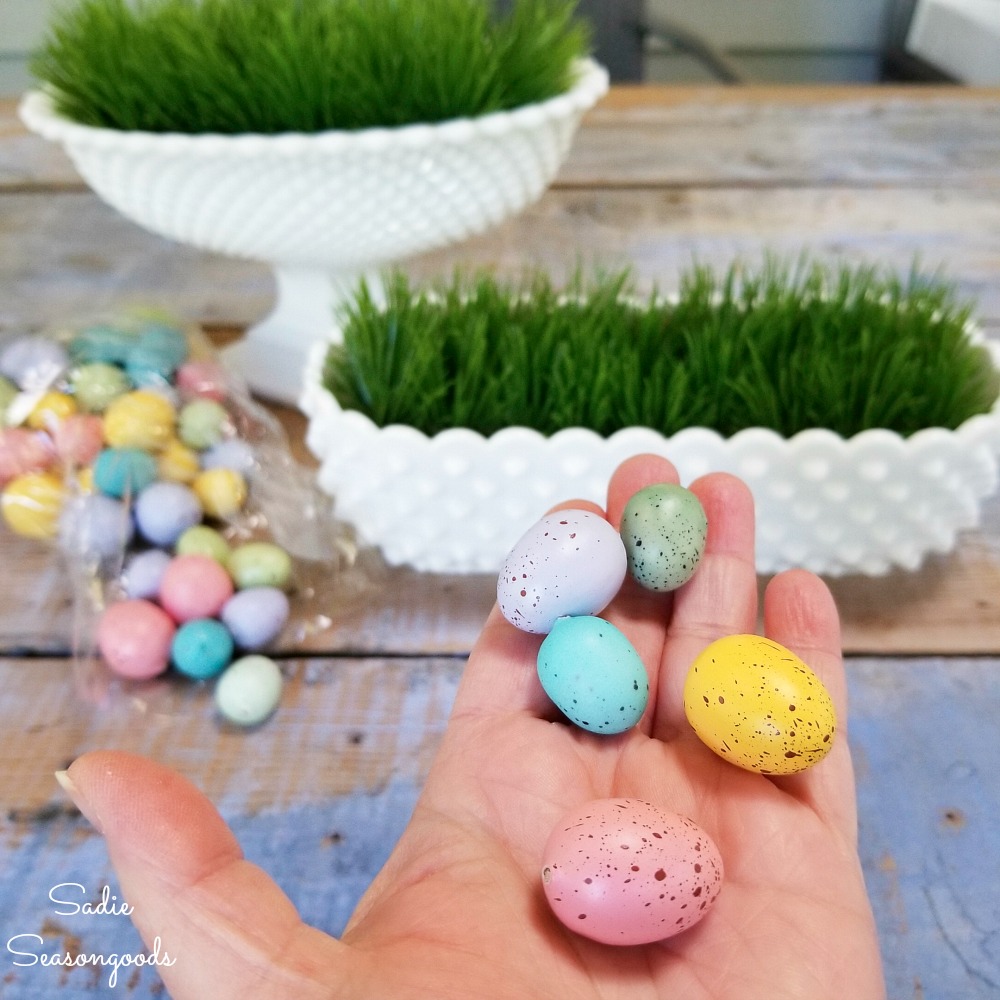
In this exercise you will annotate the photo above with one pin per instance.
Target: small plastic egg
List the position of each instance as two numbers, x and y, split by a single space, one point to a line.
120 472
134 638
96 385
22 451
571 562
168 340
79 439
104 344
202 378
234 453
142 576
177 463
222 492
51 409
202 648
194 587
31 504
147 369
164 511
139 419
757 705
202 540
95 527
664 530
255 617
202 423
249 690
593 674
260 564
33 361
625 872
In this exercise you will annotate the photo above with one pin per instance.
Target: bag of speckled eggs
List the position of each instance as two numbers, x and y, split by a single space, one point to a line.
142 464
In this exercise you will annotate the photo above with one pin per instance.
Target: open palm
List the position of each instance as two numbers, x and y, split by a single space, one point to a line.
458 910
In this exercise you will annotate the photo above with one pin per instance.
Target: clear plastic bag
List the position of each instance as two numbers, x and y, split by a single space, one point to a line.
95 419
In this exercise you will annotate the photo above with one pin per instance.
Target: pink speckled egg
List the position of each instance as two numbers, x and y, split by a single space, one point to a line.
205 379
194 586
79 438
623 871
23 450
571 562
134 639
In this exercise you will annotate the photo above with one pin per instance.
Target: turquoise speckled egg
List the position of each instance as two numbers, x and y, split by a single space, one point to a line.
201 648
664 530
593 674
122 471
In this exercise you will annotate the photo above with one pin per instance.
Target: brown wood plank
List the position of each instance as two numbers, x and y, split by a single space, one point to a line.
378 718
703 136
72 257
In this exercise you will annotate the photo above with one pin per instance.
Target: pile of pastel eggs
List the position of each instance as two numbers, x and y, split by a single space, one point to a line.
624 871
121 446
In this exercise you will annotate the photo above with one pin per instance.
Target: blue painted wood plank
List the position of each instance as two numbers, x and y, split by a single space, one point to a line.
924 738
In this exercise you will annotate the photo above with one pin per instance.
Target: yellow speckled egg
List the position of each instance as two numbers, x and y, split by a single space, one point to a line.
31 504
139 419
177 463
757 705
51 409
222 492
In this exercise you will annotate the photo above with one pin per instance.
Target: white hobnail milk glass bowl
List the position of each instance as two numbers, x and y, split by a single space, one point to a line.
324 209
457 501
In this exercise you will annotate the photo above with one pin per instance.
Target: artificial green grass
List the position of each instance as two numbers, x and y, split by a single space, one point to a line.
787 347
267 66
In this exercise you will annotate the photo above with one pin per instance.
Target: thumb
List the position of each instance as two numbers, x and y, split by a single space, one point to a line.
226 928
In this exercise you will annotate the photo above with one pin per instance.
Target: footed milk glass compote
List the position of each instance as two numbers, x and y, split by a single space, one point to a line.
323 209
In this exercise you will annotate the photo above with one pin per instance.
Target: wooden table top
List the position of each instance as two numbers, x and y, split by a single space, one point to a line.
657 177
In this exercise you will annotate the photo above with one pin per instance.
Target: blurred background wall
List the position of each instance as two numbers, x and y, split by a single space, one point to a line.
701 41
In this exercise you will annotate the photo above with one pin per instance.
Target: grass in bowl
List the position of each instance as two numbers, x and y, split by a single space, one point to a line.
788 347
268 66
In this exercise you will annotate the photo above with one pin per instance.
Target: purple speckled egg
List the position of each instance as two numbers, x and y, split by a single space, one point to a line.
143 573
255 617
165 510
571 562
623 871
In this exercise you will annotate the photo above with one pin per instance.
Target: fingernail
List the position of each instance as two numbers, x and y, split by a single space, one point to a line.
79 800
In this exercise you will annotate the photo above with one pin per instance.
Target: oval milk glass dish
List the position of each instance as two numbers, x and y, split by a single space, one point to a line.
324 209
457 501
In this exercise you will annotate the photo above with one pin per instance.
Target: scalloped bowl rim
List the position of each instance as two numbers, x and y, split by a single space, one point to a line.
37 111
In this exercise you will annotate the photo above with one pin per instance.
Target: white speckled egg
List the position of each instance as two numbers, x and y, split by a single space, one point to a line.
593 674
664 530
756 704
623 871
571 562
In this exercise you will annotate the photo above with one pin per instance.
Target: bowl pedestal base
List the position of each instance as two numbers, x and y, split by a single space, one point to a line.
271 356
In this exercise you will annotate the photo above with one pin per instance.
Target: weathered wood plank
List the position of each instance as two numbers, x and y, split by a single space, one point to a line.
71 256
319 795
703 136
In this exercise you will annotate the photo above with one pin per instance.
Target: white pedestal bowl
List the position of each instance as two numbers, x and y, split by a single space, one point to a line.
323 209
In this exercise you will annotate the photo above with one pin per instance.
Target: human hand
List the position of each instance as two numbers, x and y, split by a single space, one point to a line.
458 911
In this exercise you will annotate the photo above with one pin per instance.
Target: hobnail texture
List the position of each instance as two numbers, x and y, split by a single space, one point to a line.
333 199
325 209
458 501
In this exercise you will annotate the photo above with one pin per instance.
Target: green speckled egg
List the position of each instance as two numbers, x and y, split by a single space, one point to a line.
664 530
756 704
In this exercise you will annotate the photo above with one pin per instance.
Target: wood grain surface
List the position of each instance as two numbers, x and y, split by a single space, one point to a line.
658 177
